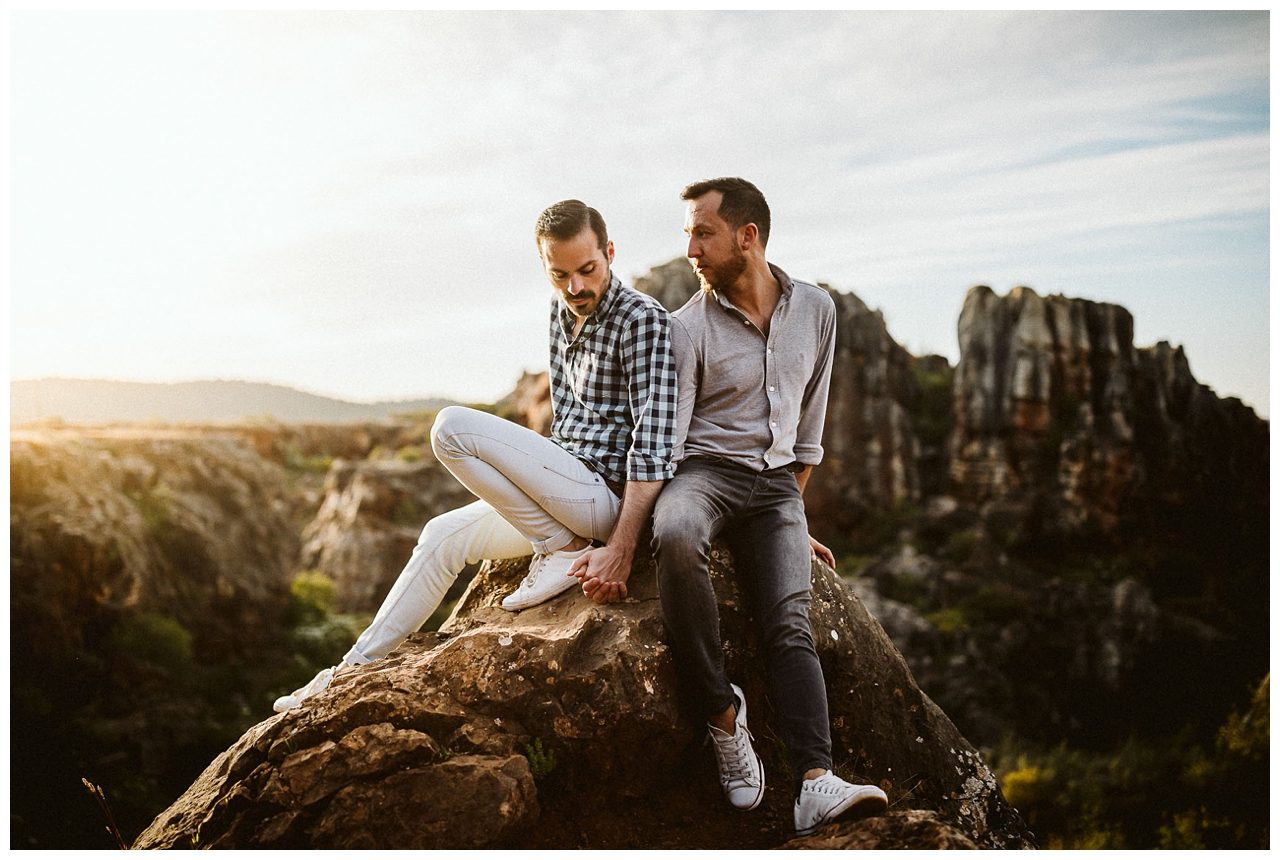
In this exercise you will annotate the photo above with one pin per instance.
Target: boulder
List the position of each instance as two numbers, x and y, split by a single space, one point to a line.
561 727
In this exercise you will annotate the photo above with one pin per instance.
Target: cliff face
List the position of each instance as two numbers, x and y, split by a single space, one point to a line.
1061 420
872 452
561 727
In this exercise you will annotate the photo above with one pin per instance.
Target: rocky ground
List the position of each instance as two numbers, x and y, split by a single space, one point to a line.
560 727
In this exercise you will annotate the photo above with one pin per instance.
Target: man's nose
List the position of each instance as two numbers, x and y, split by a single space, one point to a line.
575 285
694 249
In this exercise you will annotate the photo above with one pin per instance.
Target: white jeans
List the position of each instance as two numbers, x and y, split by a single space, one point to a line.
534 497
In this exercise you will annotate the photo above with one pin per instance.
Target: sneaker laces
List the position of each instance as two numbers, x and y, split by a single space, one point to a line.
826 784
319 682
535 565
735 755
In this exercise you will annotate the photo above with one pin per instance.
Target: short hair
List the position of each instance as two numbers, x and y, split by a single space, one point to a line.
567 219
742 203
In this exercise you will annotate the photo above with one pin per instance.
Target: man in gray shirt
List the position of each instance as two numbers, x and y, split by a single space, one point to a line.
753 354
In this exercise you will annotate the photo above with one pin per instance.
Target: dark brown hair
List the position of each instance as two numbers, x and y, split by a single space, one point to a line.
567 219
742 203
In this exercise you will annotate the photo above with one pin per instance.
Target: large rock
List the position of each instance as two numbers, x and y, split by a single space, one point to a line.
566 717
912 829
1073 432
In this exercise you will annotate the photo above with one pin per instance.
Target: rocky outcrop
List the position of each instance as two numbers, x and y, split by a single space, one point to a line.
911 830
190 525
871 447
1072 431
369 521
566 715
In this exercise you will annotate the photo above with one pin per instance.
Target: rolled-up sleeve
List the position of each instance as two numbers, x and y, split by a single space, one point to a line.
652 395
813 409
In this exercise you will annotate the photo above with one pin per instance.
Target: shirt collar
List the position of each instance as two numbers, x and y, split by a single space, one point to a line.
612 294
784 281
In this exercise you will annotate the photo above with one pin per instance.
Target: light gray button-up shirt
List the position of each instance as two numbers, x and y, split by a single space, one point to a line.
756 400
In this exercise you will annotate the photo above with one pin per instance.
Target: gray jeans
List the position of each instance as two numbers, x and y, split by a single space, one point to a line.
761 516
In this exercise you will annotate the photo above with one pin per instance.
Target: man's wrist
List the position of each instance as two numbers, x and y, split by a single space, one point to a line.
622 546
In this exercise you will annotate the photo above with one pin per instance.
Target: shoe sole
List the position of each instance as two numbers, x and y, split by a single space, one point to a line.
526 603
855 808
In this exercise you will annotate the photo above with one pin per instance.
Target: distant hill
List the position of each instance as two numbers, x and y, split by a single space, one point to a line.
95 401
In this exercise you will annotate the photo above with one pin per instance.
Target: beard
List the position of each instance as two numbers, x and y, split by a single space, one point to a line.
722 276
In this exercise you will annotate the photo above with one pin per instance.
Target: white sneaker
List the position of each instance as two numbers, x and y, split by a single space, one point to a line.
548 576
318 684
741 773
829 797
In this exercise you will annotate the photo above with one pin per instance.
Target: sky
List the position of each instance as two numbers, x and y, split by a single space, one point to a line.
344 202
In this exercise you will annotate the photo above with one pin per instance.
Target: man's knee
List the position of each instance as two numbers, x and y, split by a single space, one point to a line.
786 625
680 540
450 422
443 531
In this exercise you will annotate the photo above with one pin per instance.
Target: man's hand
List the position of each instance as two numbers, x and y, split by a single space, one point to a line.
819 551
603 572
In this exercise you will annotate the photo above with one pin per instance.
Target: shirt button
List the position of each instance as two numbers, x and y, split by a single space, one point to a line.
773 423
771 388
771 350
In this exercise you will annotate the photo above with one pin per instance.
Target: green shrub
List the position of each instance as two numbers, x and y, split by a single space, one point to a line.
948 621
154 639
541 761
409 454
312 596
931 412
297 461
407 512
153 505
960 546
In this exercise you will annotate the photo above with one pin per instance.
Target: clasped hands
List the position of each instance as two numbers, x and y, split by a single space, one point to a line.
603 571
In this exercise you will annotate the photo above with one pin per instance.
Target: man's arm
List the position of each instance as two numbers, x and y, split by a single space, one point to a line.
818 550
813 413
603 572
651 396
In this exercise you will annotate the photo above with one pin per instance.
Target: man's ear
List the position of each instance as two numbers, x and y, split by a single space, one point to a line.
748 236
608 250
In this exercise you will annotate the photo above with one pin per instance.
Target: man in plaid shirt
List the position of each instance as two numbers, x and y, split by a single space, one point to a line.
613 388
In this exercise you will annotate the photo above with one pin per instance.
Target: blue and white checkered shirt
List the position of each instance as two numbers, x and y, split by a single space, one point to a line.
613 387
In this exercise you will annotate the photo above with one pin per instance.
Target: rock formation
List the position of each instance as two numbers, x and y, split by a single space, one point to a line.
189 524
1060 420
529 403
561 727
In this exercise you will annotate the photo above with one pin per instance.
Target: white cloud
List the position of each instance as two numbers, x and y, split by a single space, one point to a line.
366 178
